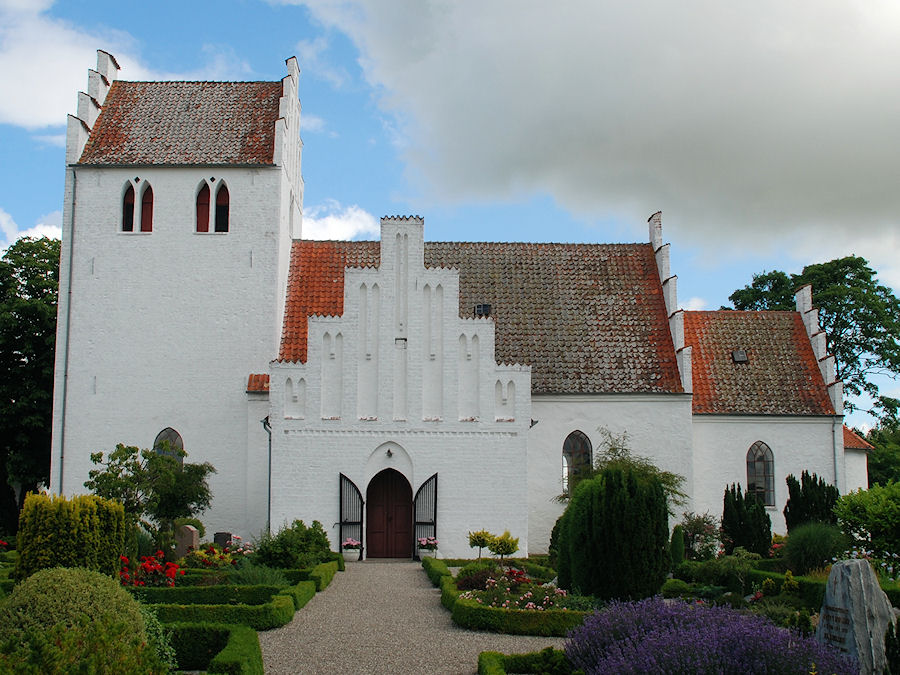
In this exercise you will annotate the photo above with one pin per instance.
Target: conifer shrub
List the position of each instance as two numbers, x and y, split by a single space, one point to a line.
59 619
676 546
812 546
84 531
745 523
811 500
614 536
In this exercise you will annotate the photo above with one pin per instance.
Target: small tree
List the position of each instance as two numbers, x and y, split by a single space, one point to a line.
480 539
676 546
811 500
503 545
745 523
153 485
614 535
701 535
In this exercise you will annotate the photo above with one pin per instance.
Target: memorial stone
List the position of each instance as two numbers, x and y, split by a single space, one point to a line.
222 539
187 539
855 614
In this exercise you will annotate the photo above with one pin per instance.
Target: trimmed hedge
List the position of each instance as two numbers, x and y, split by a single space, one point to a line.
84 531
277 612
217 648
206 595
435 569
321 574
551 622
449 592
548 661
301 593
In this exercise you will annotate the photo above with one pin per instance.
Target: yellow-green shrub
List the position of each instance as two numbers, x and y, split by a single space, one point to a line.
84 531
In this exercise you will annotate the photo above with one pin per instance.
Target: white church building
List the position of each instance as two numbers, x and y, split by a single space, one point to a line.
395 388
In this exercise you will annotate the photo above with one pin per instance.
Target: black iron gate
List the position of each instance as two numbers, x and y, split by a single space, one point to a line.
351 516
425 507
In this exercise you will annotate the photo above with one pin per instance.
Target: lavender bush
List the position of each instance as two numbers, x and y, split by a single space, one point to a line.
656 636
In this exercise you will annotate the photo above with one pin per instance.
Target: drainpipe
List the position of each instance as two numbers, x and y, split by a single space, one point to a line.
268 427
68 321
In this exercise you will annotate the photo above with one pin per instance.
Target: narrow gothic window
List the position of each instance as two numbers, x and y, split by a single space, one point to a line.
169 442
576 460
147 210
128 210
222 209
761 473
203 209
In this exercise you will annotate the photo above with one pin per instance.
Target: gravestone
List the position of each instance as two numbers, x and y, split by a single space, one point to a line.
855 614
222 539
187 539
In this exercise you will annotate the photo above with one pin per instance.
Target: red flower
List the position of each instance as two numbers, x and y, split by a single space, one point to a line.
124 559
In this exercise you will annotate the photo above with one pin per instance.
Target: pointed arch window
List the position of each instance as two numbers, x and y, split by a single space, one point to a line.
147 209
169 442
761 473
576 460
203 209
128 210
222 206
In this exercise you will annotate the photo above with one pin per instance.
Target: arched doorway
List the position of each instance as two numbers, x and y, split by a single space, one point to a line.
389 516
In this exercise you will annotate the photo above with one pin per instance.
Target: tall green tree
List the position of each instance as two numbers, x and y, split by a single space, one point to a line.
884 459
29 284
860 317
745 523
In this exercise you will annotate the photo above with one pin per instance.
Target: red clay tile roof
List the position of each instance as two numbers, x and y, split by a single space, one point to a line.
258 383
185 123
587 318
854 441
782 376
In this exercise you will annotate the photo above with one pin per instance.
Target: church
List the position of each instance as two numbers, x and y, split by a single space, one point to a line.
397 388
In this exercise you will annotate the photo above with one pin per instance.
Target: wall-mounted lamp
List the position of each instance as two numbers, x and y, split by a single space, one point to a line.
389 453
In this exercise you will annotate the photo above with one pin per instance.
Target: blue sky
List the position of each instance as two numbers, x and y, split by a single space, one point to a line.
766 132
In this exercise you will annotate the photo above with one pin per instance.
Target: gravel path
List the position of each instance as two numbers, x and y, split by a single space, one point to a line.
382 617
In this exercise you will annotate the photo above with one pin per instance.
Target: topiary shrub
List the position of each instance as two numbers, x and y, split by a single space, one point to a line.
745 522
59 619
810 500
812 546
293 547
675 588
84 531
614 536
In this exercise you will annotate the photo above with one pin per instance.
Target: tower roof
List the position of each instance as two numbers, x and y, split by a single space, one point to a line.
185 123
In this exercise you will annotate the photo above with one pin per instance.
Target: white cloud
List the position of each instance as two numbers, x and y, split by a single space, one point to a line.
56 140
742 121
311 54
44 62
47 226
333 221
695 304
313 124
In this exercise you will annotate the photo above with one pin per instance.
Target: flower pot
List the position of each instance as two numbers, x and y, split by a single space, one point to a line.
427 553
351 554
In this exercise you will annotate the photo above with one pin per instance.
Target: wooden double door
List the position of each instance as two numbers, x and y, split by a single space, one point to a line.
389 511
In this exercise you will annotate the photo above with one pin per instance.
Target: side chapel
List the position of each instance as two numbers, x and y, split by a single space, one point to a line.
395 388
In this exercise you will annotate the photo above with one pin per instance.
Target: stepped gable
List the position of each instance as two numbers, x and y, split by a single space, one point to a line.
587 318
185 123
780 376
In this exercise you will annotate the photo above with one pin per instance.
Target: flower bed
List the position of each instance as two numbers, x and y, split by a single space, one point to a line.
469 609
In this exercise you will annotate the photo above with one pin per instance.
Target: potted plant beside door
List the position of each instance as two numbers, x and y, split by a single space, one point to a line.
427 547
350 549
